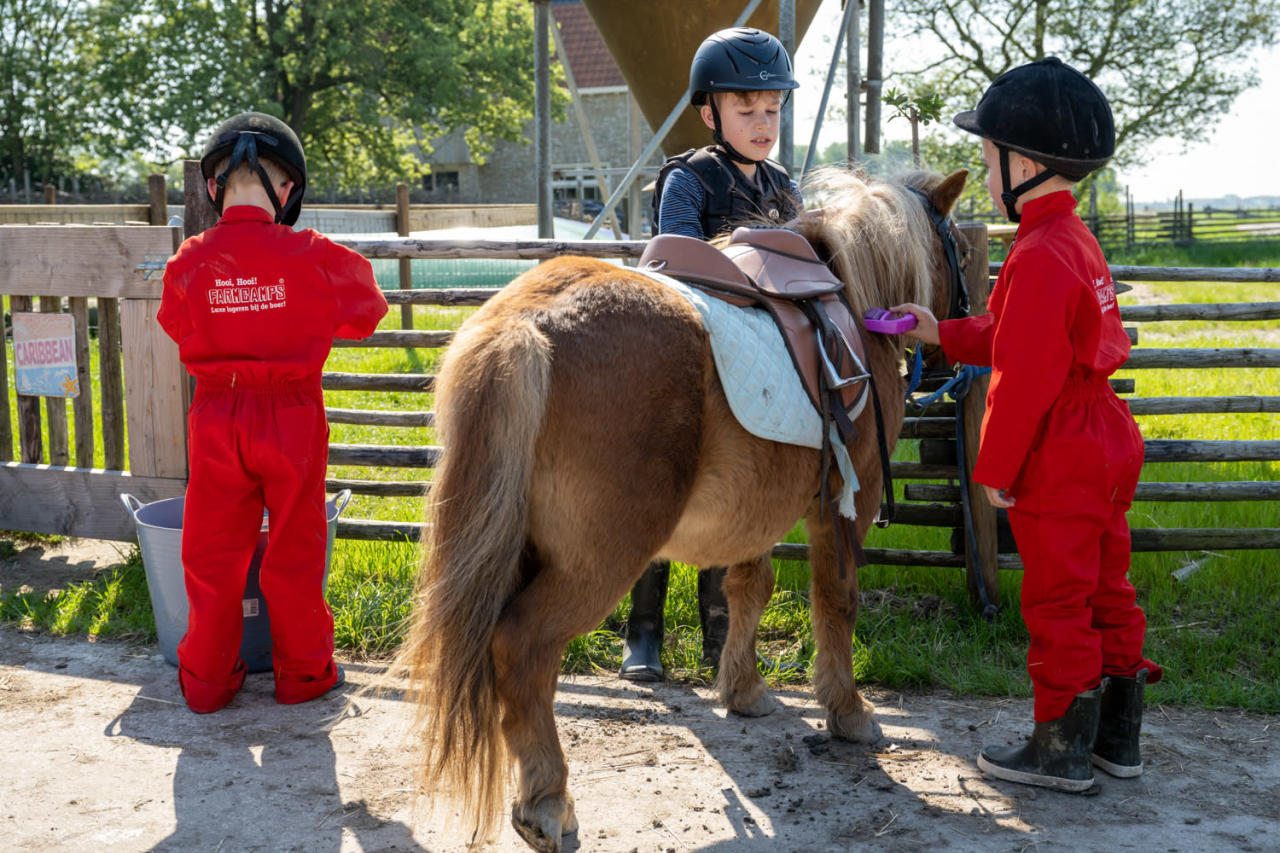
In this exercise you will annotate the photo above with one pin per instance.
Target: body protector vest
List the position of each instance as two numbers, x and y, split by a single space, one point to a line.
728 198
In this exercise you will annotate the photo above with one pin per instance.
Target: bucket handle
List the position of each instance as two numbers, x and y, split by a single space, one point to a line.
131 504
340 501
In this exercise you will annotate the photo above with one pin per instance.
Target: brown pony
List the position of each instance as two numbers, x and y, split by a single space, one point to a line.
585 434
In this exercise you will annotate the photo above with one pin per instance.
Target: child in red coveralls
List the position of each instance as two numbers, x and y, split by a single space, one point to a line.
254 307
1059 450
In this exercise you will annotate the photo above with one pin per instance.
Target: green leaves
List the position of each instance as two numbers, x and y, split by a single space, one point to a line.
365 83
924 108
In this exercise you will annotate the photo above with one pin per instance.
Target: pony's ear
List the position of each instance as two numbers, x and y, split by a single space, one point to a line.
947 192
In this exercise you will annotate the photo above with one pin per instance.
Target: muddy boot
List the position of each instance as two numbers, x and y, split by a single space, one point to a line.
1116 749
1057 753
713 613
641 658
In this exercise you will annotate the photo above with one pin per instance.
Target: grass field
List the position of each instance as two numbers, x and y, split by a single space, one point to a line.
1213 630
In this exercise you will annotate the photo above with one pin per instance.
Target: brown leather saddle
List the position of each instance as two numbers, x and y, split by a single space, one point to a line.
777 270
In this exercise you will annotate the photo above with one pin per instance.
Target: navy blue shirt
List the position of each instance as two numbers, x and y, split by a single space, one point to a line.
680 209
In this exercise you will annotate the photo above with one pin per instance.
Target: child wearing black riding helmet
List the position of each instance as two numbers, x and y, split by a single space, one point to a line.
1059 449
739 80
254 306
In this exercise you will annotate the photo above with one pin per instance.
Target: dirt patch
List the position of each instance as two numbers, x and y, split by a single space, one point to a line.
41 567
103 756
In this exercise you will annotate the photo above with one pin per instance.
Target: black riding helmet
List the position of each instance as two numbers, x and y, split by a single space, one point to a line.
244 139
739 59
1050 112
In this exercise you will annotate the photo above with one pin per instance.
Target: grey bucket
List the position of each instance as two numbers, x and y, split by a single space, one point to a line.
160 540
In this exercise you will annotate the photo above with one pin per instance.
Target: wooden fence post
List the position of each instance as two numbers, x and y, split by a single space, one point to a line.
157 390
56 407
158 205
50 194
198 214
406 270
30 438
6 426
982 513
82 405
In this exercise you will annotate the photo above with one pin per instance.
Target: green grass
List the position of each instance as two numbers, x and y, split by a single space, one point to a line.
1214 631
113 604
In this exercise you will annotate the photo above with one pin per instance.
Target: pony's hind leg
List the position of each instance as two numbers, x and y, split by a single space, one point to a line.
526 662
835 610
561 601
747 587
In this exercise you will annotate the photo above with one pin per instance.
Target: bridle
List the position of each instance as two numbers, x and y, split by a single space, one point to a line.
945 227
958 385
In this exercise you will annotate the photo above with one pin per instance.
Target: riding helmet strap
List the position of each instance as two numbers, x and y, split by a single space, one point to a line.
718 136
246 150
1010 196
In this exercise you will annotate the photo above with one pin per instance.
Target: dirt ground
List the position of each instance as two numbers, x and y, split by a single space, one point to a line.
101 755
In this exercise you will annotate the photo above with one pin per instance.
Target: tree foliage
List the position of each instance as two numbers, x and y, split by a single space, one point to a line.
42 79
365 83
1167 66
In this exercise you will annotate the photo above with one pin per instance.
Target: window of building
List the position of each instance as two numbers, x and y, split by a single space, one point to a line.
441 181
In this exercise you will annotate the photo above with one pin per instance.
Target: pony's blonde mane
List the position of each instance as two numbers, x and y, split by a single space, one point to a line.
874 235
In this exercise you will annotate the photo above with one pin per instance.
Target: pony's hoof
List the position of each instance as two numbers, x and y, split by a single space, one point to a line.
763 705
859 727
542 825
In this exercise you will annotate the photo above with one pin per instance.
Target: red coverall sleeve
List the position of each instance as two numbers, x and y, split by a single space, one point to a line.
967 339
1031 355
173 316
360 303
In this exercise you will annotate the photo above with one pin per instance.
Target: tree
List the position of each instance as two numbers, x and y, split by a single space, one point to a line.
42 80
366 84
921 110
1167 66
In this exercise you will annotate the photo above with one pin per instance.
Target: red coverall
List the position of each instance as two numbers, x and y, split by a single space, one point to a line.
1057 438
254 308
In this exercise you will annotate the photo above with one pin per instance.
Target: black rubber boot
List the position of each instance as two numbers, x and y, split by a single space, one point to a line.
1116 749
642 647
1057 753
713 613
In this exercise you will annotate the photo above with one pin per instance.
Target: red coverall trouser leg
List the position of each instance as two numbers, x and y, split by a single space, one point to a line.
1069 523
250 448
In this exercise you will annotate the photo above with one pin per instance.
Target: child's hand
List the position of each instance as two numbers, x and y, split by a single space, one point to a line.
997 497
926 325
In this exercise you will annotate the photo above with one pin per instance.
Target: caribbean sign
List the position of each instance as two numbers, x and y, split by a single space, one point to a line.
44 355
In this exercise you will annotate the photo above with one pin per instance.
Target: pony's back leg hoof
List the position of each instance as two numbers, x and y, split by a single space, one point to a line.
542 825
859 726
762 705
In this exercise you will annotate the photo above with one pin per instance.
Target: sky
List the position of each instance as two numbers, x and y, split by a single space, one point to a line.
1237 158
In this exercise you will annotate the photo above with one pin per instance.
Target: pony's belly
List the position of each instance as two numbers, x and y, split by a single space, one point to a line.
717 532
708 548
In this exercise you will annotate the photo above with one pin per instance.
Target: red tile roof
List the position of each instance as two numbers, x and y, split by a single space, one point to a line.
589 59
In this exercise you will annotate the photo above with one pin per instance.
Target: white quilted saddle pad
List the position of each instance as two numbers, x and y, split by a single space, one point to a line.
760 381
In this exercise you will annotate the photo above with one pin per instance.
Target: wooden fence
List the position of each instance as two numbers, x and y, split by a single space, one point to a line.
1182 224
140 370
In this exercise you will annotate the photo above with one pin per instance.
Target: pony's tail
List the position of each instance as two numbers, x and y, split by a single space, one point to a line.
490 397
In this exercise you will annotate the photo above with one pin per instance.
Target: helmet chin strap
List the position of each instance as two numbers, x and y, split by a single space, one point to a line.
717 136
1010 196
246 150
